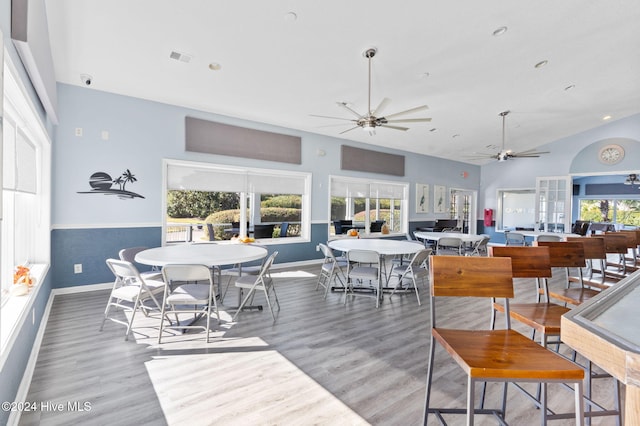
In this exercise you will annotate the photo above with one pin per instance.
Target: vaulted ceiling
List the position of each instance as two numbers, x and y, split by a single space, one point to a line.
280 62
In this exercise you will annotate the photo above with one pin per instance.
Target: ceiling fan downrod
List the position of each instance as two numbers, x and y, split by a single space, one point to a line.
369 53
503 114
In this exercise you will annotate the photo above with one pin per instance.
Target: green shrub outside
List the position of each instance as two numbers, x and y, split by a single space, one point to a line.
267 214
283 201
382 215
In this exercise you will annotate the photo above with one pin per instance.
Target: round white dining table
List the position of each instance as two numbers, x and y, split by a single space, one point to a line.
435 236
384 247
201 254
210 254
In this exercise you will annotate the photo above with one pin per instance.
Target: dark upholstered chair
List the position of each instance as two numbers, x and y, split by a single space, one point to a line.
263 231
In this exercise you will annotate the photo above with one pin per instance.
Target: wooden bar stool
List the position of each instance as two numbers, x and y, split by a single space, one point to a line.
492 355
543 317
632 246
532 262
569 254
616 244
594 251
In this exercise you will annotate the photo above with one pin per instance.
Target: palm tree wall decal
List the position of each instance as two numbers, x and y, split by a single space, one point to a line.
101 183
127 176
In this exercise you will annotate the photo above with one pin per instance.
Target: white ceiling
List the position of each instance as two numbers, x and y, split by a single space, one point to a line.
279 70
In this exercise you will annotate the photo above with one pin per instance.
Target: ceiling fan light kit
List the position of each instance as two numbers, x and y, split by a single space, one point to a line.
369 121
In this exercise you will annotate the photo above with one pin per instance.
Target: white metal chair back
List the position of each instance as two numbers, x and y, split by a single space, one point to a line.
262 281
514 239
416 268
420 259
130 287
363 267
183 293
449 245
129 254
363 256
331 270
480 247
185 273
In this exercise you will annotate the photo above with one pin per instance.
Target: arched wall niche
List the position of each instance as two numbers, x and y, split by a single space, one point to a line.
587 160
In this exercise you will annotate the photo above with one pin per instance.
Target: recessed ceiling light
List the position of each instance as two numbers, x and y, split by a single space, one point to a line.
606 117
499 31
569 87
541 64
214 66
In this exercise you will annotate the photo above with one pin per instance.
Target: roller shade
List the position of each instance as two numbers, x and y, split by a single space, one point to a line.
202 178
343 188
387 190
193 178
347 188
26 167
266 183
19 161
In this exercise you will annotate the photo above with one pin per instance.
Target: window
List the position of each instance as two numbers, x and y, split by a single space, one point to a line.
626 212
516 209
228 200
359 203
25 224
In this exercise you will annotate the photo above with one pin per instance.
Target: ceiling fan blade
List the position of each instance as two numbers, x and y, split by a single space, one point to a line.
394 127
531 151
408 111
383 104
480 156
344 105
348 130
335 118
410 120
332 125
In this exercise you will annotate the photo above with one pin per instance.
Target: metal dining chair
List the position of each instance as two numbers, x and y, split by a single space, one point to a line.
363 268
188 289
129 292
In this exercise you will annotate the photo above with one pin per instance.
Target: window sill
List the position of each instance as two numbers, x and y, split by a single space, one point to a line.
14 311
370 235
269 241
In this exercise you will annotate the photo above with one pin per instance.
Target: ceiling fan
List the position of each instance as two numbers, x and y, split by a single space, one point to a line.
370 120
505 154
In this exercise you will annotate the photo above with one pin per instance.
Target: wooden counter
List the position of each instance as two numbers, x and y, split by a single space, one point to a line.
606 330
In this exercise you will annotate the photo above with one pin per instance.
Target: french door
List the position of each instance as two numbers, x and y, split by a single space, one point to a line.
463 209
553 204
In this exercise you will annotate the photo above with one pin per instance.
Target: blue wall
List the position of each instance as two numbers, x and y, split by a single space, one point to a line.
88 228
92 246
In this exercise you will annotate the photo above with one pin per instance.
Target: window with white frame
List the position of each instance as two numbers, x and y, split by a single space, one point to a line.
227 202
26 157
366 205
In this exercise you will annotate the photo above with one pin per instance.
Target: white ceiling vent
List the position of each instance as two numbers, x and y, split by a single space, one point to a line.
183 57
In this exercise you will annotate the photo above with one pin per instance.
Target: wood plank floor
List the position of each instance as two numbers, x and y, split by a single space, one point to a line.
321 363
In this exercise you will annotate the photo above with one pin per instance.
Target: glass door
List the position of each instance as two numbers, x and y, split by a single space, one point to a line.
553 204
463 209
